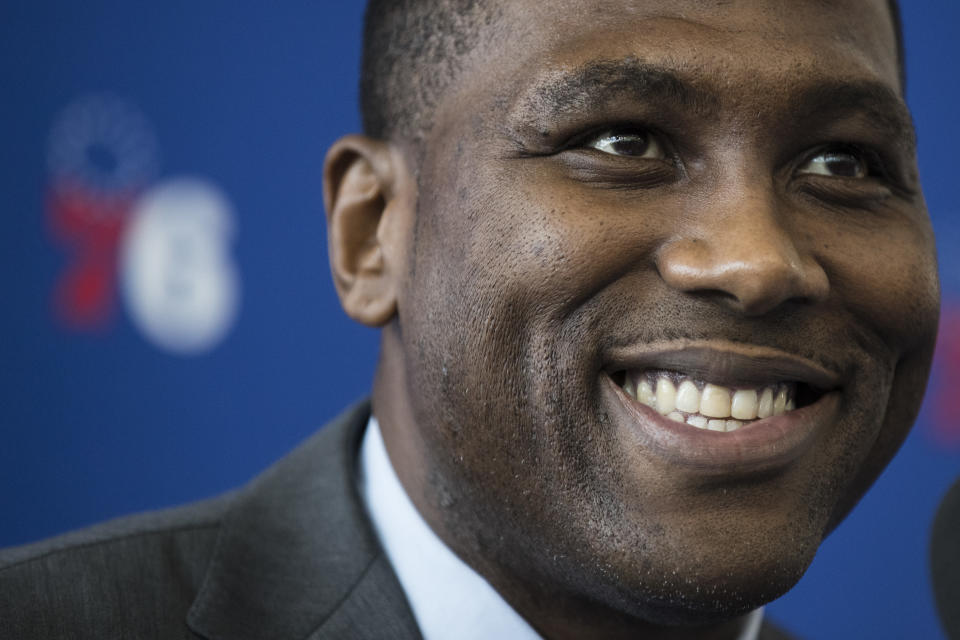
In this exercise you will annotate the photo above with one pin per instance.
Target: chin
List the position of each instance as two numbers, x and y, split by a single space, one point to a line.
690 582
691 603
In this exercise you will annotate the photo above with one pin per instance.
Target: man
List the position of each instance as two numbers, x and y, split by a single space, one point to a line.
658 299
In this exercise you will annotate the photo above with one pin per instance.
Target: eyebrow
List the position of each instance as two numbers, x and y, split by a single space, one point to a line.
599 82
881 104
596 84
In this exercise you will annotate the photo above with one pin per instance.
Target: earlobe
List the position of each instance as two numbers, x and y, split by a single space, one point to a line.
368 208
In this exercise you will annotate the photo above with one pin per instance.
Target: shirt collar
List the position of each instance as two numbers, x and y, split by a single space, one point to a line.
448 598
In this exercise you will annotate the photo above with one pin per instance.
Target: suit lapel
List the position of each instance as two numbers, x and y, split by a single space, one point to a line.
375 609
296 557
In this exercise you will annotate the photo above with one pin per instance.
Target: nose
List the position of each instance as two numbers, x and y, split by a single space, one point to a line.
739 252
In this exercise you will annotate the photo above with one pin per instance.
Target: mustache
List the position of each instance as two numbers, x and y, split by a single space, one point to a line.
828 337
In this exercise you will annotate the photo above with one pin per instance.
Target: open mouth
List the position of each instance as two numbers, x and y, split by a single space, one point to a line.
687 399
720 407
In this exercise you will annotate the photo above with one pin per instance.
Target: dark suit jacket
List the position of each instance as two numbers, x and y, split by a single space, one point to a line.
292 555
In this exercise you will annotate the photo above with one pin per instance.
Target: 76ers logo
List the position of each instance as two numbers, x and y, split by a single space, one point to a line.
166 244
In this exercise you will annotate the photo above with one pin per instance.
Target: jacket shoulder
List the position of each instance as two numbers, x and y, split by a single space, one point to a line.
132 577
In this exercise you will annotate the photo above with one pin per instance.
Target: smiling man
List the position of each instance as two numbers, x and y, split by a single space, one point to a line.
658 299
658 293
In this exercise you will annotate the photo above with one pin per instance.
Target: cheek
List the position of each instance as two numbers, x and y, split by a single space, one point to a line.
887 277
495 329
545 245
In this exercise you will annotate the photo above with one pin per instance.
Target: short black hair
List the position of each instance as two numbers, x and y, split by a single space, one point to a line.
412 50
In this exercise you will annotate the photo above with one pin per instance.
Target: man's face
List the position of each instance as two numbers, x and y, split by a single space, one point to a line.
675 194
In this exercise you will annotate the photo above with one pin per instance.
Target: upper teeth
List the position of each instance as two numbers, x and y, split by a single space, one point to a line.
709 406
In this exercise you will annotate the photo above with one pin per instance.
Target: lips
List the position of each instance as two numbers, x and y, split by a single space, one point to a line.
721 407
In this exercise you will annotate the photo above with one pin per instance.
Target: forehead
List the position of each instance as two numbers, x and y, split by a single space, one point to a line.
730 45
721 27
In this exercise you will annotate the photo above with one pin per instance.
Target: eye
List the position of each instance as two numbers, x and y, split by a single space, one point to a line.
838 163
629 144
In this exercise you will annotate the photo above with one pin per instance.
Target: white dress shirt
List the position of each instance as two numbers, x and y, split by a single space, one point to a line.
448 598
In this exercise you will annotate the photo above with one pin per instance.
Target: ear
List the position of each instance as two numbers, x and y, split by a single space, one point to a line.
369 195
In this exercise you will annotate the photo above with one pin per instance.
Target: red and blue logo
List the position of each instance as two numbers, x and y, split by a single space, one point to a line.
161 247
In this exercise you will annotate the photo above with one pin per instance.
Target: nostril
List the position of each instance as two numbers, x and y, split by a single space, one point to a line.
714 295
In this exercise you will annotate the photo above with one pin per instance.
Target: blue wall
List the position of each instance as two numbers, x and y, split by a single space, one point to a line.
110 402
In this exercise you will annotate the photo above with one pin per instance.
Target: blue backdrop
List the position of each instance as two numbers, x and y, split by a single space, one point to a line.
168 322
